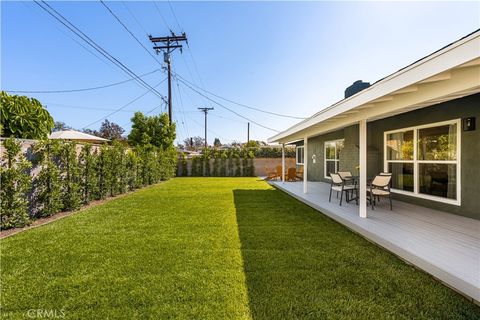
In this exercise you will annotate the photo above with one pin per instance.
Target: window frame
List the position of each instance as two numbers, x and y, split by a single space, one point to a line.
416 190
296 155
337 161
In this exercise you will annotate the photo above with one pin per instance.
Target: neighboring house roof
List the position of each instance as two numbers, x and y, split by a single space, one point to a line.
449 73
76 136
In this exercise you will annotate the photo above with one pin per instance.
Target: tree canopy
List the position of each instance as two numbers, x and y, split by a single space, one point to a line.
154 130
194 143
24 117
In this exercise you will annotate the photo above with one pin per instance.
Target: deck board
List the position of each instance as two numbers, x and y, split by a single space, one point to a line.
445 245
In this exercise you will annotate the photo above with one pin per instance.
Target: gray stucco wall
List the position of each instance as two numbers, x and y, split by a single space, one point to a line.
470 150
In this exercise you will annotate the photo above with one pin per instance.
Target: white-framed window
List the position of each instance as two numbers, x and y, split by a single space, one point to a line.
299 155
332 156
425 161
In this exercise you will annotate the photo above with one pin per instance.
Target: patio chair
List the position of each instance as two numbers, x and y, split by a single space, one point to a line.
380 186
339 185
300 173
278 170
271 174
389 174
347 178
292 174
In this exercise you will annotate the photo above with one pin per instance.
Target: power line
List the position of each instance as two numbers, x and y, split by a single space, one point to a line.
124 106
161 16
237 103
83 89
174 15
53 104
130 32
59 17
134 18
222 106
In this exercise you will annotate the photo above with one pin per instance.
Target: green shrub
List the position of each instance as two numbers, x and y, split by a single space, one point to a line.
131 170
70 174
48 184
88 176
15 184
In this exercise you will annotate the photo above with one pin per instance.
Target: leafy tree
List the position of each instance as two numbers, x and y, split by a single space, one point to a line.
15 183
111 131
154 130
194 143
217 143
103 169
92 132
23 117
59 126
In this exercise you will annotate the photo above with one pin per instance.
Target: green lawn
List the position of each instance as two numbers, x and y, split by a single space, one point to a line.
213 248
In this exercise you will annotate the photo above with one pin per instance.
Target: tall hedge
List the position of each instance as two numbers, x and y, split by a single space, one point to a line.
15 184
67 176
48 184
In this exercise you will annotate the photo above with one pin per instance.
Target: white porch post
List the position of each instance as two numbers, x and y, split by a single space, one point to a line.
363 168
283 162
305 164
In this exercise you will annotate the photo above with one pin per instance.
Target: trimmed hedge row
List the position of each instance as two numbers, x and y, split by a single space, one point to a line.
59 178
233 162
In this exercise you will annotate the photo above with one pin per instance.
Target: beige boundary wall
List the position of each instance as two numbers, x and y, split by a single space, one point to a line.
259 163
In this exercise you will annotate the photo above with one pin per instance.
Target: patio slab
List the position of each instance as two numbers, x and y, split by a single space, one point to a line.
444 245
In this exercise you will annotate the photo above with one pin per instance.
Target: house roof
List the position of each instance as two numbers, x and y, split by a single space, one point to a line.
449 73
75 136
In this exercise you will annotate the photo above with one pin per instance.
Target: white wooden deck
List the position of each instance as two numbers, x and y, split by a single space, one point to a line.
444 245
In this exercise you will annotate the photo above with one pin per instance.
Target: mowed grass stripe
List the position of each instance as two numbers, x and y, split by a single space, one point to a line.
171 251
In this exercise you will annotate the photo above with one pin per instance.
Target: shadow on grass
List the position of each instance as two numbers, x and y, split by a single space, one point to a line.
300 264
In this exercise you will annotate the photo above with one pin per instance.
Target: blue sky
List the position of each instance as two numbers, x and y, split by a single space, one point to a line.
287 57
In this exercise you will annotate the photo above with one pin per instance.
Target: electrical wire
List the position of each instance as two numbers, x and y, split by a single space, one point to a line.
83 89
224 107
59 17
134 18
161 16
237 103
124 106
128 30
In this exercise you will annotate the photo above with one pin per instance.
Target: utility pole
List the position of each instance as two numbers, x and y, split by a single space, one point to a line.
205 110
248 132
168 45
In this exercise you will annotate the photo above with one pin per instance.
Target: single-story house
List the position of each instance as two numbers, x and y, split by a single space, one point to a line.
417 123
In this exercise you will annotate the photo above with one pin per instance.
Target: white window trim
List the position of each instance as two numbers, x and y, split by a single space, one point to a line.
296 155
337 161
416 162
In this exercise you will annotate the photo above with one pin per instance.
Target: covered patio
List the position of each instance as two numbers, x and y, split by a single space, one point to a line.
444 245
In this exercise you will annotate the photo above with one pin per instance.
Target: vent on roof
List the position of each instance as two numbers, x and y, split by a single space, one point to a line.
357 86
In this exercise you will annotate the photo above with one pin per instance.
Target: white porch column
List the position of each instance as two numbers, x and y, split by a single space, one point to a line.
305 164
363 169
283 162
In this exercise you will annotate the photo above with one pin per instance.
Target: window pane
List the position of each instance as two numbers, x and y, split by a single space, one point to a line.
329 150
438 143
300 155
330 167
339 145
402 176
400 145
438 179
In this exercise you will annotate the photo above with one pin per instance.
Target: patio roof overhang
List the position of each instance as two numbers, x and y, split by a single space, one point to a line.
449 73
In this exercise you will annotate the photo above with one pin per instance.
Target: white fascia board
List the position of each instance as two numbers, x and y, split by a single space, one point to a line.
458 53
